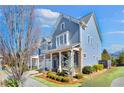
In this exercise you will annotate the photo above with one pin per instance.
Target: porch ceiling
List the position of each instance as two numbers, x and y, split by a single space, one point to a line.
64 48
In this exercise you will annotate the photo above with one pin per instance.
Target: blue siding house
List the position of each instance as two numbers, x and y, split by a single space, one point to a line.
74 44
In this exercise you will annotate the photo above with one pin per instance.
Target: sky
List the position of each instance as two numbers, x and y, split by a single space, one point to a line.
109 18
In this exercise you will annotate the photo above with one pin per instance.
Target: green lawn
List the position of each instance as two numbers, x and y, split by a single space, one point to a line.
102 80
105 79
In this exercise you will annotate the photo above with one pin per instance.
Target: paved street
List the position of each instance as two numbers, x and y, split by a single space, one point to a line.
119 82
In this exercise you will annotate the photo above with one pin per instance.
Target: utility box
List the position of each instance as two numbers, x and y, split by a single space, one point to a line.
106 63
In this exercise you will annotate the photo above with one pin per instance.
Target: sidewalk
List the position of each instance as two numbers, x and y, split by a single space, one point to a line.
3 75
33 83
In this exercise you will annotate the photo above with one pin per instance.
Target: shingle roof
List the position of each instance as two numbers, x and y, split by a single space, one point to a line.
86 18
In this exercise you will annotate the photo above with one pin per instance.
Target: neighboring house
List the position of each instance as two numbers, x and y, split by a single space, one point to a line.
75 43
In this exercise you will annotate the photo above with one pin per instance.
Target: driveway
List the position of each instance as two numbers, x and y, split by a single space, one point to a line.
119 82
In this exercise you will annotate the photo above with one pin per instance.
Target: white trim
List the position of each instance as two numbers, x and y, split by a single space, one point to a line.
60 68
85 57
58 44
62 26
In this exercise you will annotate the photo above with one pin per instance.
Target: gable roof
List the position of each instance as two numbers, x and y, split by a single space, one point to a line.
82 21
86 19
67 17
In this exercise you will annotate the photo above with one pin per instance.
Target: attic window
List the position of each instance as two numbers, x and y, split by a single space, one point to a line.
62 26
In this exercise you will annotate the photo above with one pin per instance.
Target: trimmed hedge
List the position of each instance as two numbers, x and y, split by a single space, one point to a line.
95 68
98 67
87 70
63 73
58 78
78 76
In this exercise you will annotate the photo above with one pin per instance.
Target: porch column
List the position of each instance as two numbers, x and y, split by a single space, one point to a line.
60 68
31 63
81 59
72 63
44 58
51 60
38 62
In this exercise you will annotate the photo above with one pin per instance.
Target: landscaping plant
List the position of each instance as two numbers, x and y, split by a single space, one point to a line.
87 70
11 82
98 67
78 76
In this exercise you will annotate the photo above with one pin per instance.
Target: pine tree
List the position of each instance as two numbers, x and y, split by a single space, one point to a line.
105 55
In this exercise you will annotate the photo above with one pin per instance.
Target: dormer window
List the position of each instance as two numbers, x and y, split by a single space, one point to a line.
62 26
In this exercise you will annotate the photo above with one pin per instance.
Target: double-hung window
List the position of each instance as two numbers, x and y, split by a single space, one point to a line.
62 39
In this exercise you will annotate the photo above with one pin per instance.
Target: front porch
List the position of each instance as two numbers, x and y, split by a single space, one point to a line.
66 58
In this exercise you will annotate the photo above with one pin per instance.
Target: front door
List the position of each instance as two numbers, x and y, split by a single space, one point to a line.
55 63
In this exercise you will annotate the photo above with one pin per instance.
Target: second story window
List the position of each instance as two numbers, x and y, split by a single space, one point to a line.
65 38
88 39
62 39
62 26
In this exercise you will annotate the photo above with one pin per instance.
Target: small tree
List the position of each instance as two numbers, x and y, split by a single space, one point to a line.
19 40
121 58
105 55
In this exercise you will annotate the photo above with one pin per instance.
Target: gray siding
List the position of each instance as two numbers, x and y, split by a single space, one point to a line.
70 26
92 51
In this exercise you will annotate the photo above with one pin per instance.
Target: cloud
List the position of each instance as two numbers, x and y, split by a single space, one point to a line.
122 21
116 47
116 32
122 11
46 17
0 13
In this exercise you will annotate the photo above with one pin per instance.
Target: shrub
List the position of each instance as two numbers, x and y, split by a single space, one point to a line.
52 75
40 70
49 72
59 78
94 69
34 68
98 67
63 73
11 82
87 70
78 76
65 79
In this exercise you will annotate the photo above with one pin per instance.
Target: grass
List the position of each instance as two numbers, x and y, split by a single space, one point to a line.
102 80
105 79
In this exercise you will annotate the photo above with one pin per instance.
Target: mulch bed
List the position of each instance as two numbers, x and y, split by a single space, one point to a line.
98 73
72 81
58 82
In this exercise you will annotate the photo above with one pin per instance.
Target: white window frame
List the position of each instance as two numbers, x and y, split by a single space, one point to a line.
85 57
88 39
67 39
62 26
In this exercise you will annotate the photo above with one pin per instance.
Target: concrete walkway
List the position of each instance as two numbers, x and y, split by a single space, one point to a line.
3 76
119 82
33 83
